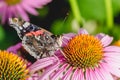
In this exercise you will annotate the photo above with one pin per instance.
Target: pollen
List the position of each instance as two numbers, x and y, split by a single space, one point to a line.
117 43
83 51
12 67
12 2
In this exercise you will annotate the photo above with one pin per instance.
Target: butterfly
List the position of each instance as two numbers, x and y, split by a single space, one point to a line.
37 41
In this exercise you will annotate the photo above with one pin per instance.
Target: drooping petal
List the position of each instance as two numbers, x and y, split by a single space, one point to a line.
105 69
15 48
98 74
49 71
112 49
81 75
87 74
68 74
115 71
115 56
113 61
41 63
105 72
93 75
59 72
75 75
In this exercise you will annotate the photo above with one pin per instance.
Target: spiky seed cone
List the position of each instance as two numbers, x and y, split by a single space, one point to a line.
12 67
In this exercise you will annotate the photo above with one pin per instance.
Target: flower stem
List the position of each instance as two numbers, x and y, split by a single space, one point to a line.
76 11
109 14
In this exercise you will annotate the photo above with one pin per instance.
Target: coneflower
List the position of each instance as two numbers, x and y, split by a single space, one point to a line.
12 67
82 57
20 8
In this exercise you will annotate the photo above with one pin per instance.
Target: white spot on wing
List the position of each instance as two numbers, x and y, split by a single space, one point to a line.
20 28
26 24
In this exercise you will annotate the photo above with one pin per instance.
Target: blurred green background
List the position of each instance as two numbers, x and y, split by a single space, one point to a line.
63 16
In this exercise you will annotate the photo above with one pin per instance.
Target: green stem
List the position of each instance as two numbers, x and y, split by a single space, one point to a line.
109 14
76 11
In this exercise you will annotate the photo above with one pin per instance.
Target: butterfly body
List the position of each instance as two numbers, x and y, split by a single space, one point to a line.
37 41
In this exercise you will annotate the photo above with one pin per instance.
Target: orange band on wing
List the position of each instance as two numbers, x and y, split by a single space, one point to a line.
36 33
39 32
28 34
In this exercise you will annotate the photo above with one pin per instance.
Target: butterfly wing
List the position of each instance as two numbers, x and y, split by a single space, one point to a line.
36 40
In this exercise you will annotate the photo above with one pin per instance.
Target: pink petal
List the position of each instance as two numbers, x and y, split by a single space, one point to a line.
2 3
32 4
68 74
13 11
22 13
82 31
81 75
93 75
4 14
112 49
43 2
36 3
87 74
100 36
112 61
30 9
67 37
106 40
59 54
14 48
115 71
49 70
41 63
105 72
114 55
33 77
10 13
29 79
75 74
59 72
90 75
99 75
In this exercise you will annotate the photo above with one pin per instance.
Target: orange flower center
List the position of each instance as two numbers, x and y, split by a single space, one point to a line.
12 67
83 51
12 2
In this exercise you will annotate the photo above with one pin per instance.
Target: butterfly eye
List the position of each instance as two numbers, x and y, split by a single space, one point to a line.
31 28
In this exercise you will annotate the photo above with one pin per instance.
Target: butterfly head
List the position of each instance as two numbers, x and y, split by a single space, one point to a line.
22 27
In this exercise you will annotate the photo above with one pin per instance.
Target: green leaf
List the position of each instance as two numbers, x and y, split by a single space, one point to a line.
116 6
95 9
63 26
2 33
92 9
43 12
